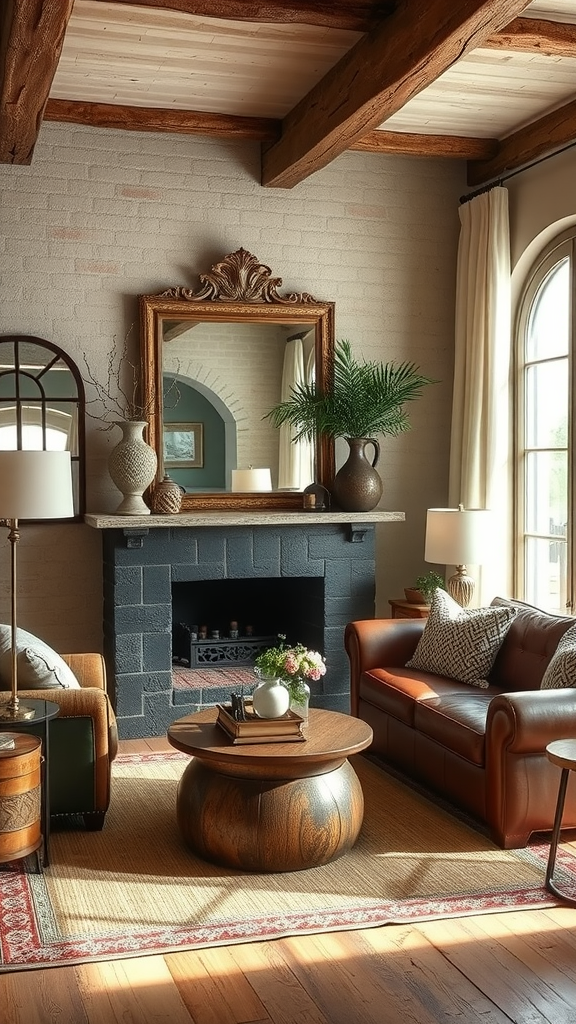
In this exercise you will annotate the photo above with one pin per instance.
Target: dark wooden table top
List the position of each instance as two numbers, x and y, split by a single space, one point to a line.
330 736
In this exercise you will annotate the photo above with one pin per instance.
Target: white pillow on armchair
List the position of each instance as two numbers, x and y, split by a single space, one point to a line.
39 667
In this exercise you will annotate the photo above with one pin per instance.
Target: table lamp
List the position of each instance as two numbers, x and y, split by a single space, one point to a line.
460 537
251 480
35 485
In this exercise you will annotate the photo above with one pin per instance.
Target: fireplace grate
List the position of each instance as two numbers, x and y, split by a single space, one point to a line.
202 653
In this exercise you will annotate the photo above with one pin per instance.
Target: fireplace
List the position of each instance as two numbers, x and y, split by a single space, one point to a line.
303 575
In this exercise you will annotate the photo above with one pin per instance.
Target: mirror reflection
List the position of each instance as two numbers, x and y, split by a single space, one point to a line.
214 367
220 380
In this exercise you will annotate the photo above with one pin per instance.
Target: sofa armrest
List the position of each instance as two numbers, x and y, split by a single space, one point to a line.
526 721
88 702
377 643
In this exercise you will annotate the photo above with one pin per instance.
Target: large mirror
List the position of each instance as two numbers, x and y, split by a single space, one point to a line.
215 361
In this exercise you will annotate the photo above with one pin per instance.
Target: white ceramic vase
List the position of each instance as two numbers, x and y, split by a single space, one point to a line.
132 465
270 699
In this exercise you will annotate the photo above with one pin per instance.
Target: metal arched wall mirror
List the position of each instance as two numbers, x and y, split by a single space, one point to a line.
215 361
42 404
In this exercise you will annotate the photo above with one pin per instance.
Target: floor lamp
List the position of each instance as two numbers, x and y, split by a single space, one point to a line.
34 485
460 537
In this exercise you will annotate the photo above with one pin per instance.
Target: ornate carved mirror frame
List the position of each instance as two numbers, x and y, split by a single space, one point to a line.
240 290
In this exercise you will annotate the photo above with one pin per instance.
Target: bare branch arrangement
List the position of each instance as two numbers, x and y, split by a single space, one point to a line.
121 400
117 400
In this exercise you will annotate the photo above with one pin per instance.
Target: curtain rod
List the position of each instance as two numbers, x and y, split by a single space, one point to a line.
300 335
498 182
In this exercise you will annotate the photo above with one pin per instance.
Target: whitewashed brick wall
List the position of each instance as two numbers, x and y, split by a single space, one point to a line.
103 216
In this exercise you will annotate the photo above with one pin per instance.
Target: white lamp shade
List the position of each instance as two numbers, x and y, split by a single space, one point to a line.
35 485
457 536
248 480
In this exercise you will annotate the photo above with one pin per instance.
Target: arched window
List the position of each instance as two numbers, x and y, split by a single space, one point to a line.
546 430
42 404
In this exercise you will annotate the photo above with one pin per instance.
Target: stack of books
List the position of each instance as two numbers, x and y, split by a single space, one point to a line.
287 729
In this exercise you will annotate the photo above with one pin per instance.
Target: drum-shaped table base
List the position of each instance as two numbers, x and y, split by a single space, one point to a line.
259 824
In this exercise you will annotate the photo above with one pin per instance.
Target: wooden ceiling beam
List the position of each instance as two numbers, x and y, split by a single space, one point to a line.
530 35
454 147
31 37
159 119
357 15
259 129
386 68
548 134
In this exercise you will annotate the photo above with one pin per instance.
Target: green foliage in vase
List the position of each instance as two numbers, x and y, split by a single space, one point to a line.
365 399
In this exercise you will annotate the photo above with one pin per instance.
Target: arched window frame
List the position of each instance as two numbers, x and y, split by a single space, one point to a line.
17 404
559 249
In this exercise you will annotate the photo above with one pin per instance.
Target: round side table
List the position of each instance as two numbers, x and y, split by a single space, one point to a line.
44 712
20 801
562 753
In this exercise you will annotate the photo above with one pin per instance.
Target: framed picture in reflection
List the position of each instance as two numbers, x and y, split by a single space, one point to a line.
184 445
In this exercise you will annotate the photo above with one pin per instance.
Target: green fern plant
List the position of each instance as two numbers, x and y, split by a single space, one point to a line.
365 399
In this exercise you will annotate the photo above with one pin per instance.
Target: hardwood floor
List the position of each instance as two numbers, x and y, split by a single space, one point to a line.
517 967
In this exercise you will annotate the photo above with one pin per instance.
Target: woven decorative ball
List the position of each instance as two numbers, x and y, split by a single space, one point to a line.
167 498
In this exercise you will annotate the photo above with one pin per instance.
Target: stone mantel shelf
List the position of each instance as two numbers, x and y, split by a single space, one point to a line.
107 521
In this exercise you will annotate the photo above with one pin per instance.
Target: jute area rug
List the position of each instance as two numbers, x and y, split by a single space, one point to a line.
134 888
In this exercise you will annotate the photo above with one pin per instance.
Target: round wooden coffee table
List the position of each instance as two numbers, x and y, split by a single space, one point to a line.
270 806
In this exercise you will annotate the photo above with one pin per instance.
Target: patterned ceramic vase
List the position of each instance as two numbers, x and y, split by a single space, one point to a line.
167 498
132 465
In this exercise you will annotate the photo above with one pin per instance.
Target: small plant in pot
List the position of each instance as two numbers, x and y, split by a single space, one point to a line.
424 587
364 399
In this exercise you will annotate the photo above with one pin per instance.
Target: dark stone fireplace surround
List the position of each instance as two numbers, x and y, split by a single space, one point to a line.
144 556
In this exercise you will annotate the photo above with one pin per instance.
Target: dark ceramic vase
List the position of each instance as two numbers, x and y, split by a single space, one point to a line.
357 486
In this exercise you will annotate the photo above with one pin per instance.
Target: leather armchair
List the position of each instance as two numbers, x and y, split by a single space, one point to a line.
83 742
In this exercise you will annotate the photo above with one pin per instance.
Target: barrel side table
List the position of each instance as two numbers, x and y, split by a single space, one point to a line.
563 754
20 796
44 712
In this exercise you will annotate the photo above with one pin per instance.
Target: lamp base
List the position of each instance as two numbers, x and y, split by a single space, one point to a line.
461 586
11 711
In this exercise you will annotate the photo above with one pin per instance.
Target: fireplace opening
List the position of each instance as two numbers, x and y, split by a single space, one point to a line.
240 617
220 626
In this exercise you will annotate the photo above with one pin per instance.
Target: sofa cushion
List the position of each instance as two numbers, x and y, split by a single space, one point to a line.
529 646
397 690
39 667
461 643
561 671
457 721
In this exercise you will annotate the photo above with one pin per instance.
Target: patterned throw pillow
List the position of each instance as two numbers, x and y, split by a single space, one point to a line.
561 670
461 643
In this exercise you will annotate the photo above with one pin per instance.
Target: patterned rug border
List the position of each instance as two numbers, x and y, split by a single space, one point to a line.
25 909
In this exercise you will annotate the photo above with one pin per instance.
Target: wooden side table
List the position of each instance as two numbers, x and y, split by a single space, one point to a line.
407 610
562 753
20 797
44 711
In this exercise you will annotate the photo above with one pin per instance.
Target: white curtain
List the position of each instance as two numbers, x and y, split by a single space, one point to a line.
296 458
480 468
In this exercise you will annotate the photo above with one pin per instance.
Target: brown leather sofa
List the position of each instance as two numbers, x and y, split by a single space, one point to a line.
482 749
83 742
